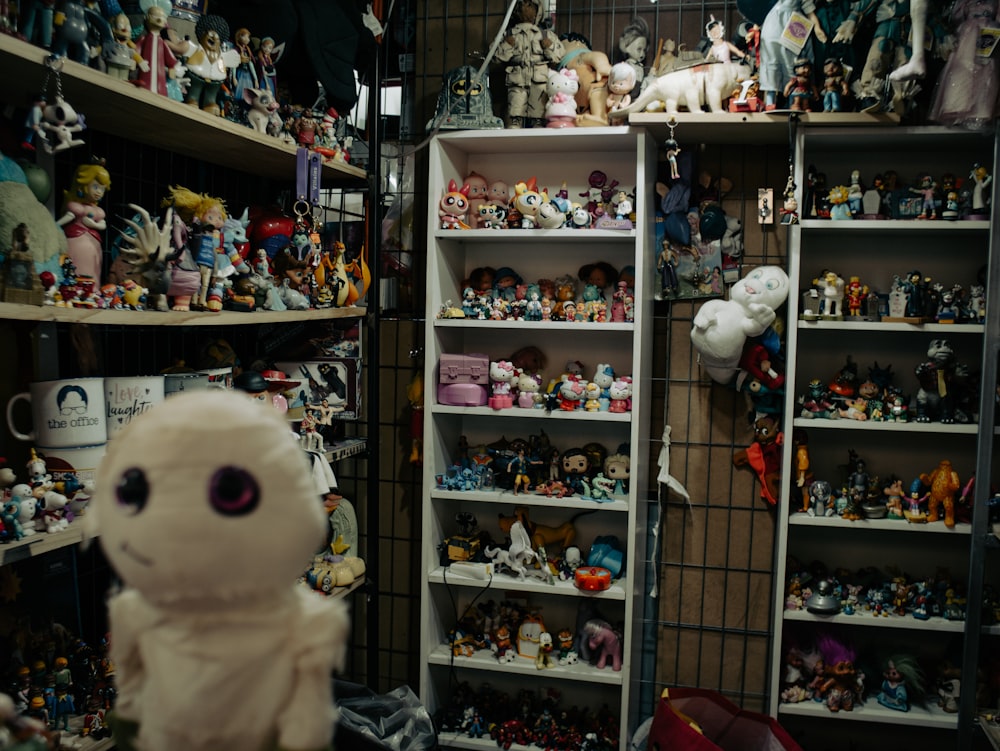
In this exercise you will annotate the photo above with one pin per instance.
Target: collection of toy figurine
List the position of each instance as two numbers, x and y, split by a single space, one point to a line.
889 196
480 203
200 258
536 466
46 503
833 672
529 718
230 74
597 294
946 392
788 55
53 677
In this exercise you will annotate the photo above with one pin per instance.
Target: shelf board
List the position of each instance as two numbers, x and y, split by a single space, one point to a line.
750 127
537 414
41 543
486 743
892 525
484 660
508 583
51 313
576 326
140 115
872 711
547 142
508 497
346 448
567 239
889 427
908 226
867 620
890 327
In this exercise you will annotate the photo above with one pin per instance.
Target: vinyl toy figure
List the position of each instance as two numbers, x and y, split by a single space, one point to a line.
250 657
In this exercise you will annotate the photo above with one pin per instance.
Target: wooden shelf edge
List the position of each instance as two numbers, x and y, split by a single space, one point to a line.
52 314
141 115
752 127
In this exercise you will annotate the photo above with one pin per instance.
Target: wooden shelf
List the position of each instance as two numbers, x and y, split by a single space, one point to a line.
749 127
536 414
882 525
140 115
50 313
863 619
871 711
41 543
908 226
510 583
484 660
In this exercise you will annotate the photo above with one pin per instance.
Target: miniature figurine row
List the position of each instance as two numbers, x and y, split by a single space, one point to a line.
232 75
597 294
949 197
531 717
479 203
833 672
46 502
912 298
945 393
534 465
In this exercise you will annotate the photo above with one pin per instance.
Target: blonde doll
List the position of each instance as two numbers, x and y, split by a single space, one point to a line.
83 220
204 215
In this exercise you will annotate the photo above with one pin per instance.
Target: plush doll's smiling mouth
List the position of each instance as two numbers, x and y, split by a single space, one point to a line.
135 556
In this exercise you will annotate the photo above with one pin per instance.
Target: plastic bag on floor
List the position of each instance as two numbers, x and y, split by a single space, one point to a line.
396 720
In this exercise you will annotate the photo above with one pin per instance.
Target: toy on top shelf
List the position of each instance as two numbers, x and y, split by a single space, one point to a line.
527 48
633 43
782 42
621 81
83 220
161 63
943 386
801 90
208 63
453 208
592 69
835 87
119 53
77 27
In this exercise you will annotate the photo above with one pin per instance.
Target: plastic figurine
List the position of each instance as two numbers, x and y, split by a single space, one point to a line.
981 180
720 327
801 90
208 63
633 43
943 483
518 468
592 68
83 220
621 81
915 502
244 74
60 123
763 456
205 216
119 53
902 683
835 88
453 208
832 286
153 48
528 50
720 50
254 485
78 26
927 190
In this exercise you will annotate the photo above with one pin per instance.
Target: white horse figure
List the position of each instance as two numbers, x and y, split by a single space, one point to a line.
520 553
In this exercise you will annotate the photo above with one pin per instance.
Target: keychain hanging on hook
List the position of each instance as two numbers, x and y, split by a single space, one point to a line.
672 149
53 119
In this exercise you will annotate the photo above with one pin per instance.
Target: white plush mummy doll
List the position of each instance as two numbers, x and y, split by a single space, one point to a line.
206 509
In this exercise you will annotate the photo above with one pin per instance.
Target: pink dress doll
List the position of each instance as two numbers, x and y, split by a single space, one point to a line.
967 88
83 220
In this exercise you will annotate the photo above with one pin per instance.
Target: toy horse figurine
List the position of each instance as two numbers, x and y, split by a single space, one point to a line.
604 642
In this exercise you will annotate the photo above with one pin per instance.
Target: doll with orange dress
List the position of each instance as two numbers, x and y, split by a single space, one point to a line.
83 220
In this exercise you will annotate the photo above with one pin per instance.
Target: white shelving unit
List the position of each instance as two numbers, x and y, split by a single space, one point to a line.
556 159
876 250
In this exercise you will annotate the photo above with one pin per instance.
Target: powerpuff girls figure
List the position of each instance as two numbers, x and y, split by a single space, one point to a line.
453 208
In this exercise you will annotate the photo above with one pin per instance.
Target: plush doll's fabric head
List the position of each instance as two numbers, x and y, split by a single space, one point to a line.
191 496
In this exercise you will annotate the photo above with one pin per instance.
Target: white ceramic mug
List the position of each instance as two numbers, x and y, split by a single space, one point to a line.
67 412
74 470
127 397
176 383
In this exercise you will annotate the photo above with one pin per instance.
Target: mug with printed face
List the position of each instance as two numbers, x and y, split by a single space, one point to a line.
67 412
128 397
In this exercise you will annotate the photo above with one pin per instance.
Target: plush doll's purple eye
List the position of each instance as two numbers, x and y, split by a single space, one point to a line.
233 491
133 490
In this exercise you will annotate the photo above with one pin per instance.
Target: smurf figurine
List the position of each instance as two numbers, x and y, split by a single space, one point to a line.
207 660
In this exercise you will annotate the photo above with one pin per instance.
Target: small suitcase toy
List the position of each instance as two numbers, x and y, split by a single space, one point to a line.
463 380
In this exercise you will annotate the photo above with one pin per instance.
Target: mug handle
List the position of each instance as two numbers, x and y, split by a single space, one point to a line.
26 395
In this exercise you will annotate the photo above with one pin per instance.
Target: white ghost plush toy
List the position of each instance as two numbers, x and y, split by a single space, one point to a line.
721 327
206 509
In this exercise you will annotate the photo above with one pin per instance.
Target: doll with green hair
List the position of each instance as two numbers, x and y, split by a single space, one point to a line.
903 683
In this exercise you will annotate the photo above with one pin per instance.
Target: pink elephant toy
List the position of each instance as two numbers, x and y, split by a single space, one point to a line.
604 642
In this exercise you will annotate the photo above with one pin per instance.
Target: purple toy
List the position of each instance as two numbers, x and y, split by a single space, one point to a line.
604 642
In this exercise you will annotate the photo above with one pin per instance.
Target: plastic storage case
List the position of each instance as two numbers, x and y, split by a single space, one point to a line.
463 380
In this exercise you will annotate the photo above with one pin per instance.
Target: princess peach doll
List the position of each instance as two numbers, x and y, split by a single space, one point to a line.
83 220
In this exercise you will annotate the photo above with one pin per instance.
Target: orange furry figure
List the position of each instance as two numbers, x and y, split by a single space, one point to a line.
944 483
542 536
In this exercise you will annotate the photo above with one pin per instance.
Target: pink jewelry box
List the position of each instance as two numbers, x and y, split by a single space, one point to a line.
463 380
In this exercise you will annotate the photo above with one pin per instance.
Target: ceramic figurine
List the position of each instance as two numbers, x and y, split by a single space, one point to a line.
208 63
154 524
621 81
560 109
83 219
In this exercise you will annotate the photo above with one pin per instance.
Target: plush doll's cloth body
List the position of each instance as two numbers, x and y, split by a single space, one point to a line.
207 511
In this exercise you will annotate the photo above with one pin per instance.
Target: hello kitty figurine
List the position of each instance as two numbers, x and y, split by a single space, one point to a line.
529 386
620 394
722 326
570 394
560 112
604 376
502 375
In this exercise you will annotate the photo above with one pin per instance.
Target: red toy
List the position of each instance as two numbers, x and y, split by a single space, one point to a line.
592 578
763 456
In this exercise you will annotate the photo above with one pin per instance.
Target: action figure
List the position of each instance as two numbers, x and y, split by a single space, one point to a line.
154 49
83 220
800 90
528 50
